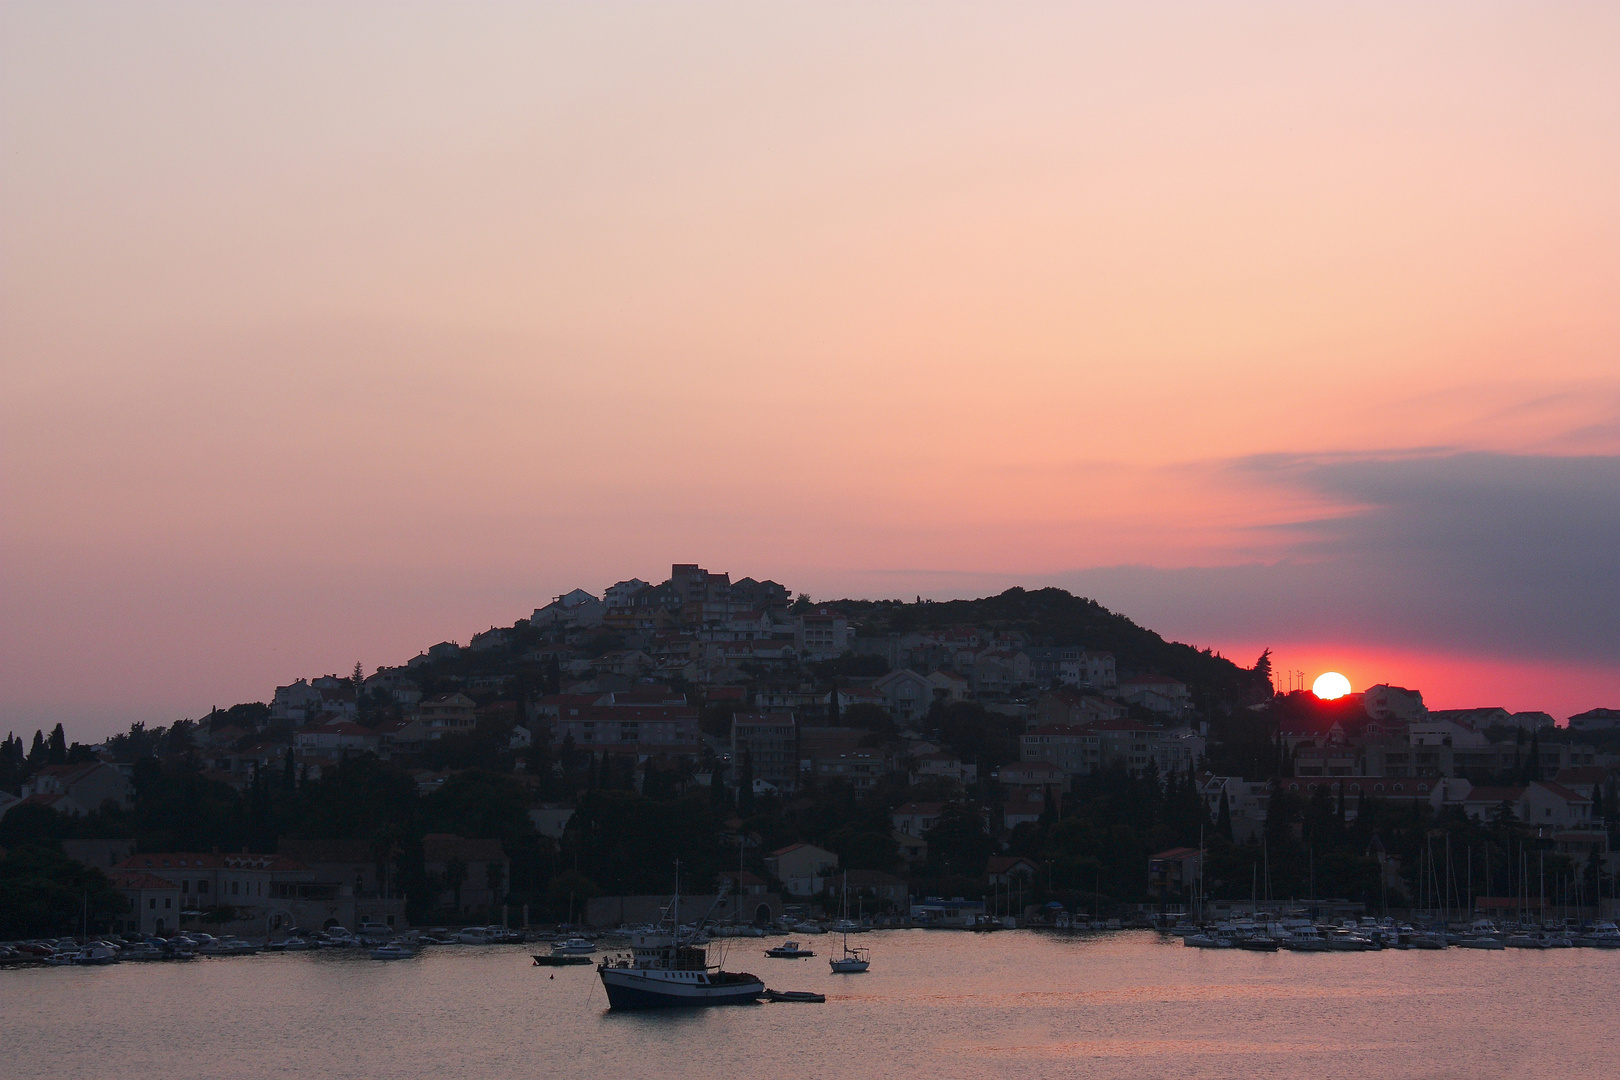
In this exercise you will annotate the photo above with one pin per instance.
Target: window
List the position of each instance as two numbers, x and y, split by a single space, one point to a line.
202 886
152 903
167 902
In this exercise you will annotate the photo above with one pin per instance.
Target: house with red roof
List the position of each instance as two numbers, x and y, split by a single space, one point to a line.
1005 869
154 903
78 789
802 869
914 818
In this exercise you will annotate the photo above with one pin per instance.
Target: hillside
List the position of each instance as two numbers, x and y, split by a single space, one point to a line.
1052 616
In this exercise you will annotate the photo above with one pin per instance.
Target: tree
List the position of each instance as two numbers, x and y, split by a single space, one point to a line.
482 805
56 748
1532 761
745 784
455 875
1262 667
958 846
494 880
43 893
1223 818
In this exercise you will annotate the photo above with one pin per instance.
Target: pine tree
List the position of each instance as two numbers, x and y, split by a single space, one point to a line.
1532 762
745 785
1262 667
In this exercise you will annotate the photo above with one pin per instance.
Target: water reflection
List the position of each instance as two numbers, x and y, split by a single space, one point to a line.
936 1004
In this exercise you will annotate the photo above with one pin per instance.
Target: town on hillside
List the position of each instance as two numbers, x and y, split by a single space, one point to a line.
1017 754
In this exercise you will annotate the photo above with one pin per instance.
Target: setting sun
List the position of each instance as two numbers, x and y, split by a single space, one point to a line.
1330 685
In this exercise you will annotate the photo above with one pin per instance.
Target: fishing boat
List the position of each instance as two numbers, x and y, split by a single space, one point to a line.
789 950
667 970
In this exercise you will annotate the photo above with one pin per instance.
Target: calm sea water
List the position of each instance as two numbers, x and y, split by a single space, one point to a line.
936 1004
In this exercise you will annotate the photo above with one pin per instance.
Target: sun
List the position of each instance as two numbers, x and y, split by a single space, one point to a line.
1330 685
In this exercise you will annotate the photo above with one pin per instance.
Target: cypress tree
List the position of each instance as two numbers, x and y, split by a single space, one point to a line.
1223 819
745 785
1532 763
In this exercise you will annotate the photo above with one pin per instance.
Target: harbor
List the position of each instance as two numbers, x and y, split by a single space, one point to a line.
1019 1003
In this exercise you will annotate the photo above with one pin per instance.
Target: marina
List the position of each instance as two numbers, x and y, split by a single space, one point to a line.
1021 1003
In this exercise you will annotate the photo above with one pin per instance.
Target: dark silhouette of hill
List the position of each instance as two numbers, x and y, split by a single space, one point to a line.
1051 617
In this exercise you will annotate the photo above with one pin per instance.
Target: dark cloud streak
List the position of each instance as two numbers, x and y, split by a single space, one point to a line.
1469 552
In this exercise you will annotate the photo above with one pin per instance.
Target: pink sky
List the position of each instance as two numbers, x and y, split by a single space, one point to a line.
331 331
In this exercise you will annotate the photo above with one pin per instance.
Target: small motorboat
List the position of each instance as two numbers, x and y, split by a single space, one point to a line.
560 959
1258 943
1526 941
1305 939
1482 942
95 954
789 950
140 950
794 995
392 951
1206 941
574 946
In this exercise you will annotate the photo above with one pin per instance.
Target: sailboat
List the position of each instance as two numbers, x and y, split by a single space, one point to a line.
854 961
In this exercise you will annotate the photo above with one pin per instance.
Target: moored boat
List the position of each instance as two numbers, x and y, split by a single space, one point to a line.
789 950
668 970
392 951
